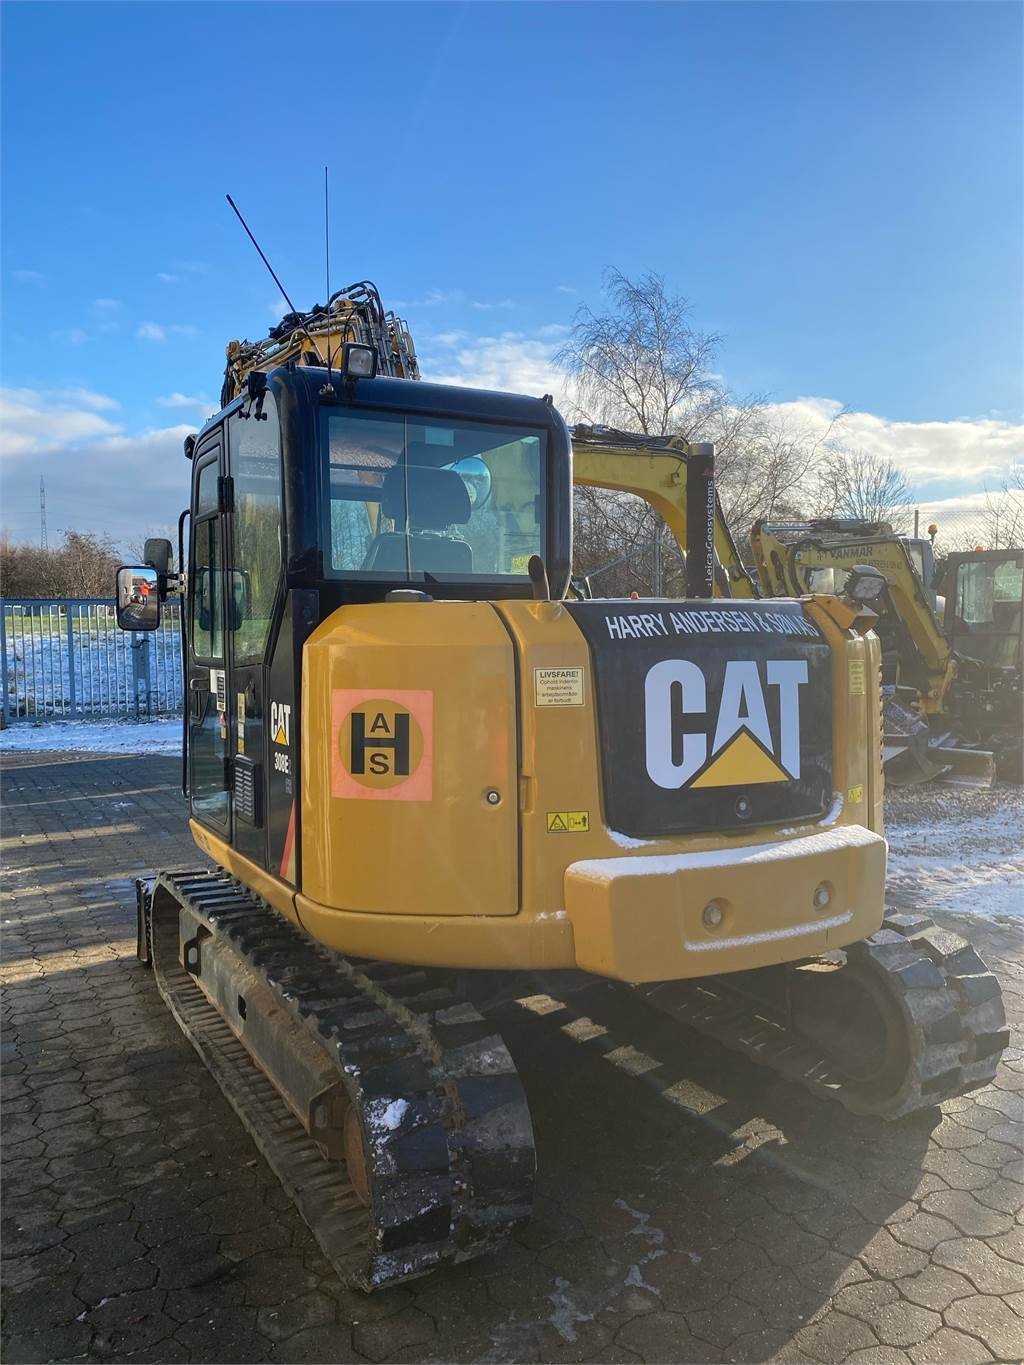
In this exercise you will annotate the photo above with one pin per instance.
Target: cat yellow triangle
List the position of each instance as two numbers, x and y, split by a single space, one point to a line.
741 764
279 738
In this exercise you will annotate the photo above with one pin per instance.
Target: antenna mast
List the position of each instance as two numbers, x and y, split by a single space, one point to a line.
327 261
42 513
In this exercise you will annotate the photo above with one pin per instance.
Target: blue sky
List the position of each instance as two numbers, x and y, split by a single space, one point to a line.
837 188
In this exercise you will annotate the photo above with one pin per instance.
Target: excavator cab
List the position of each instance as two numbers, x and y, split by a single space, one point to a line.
311 491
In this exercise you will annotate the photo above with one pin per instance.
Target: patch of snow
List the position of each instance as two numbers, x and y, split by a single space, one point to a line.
395 1113
566 1314
93 737
958 850
844 838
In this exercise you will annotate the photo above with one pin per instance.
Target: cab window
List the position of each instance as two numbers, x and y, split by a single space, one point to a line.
431 498
207 578
255 463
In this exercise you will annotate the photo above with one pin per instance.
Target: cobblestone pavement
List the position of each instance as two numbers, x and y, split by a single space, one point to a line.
691 1206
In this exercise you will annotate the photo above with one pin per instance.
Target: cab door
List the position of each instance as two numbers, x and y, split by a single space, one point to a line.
258 725
207 697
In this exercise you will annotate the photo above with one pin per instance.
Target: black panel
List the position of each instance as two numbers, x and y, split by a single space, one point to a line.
744 691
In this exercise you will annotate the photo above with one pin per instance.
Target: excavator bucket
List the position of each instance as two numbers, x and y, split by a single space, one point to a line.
912 753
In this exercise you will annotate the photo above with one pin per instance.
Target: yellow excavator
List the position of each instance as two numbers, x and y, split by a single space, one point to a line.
417 772
957 700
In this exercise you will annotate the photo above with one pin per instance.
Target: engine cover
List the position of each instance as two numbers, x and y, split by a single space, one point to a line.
713 715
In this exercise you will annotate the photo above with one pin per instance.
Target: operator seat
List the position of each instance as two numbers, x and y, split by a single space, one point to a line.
437 500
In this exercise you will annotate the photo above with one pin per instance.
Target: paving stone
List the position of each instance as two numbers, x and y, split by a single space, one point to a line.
95 1285
663 1337
67 1342
947 1347
378 1340
833 1338
726 1321
130 1322
883 1255
1009 1244
989 1273
935 1288
993 1321
36 1308
318 1346
270 1278
973 1219
310 1310
876 1355
923 1231
223 1335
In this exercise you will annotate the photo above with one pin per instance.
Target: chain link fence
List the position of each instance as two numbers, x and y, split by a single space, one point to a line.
66 658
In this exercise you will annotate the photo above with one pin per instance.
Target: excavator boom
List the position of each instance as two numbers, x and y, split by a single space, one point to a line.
656 468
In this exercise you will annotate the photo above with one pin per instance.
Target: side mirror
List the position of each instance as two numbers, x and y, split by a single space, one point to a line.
157 552
137 603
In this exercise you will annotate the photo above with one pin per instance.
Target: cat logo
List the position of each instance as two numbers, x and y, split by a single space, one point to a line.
382 745
280 723
686 749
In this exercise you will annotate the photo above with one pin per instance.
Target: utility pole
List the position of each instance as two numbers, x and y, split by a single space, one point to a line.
42 513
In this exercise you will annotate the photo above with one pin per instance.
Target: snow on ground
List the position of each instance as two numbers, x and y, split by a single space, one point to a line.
963 848
93 736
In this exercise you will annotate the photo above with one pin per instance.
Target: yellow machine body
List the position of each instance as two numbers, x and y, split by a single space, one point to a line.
493 850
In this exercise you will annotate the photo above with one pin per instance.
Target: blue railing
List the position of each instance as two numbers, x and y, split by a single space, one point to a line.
65 658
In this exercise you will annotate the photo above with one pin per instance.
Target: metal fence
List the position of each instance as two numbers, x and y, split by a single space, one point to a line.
65 658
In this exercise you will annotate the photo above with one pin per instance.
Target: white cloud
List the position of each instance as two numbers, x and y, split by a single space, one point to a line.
105 305
86 398
935 457
28 276
98 477
509 362
565 289
158 331
165 277
972 451
484 307
32 421
188 402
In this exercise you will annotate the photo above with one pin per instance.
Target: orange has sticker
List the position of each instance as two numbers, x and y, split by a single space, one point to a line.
382 744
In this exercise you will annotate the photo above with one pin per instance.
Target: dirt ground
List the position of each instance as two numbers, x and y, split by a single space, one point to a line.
691 1207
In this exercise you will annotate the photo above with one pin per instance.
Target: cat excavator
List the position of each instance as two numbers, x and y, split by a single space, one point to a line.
418 777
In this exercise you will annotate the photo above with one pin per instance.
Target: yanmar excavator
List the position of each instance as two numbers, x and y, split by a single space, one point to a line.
416 771
953 668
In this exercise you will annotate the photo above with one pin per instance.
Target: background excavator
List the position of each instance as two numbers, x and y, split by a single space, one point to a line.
953 665
422 778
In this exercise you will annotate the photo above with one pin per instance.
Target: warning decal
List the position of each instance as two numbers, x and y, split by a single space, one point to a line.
382 744
568 821
856 677
558 686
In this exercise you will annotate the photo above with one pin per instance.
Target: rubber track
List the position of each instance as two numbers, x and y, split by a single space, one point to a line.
443 1112
950 1002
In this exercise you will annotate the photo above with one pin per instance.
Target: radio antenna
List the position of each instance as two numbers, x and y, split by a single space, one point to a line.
327 260
273 273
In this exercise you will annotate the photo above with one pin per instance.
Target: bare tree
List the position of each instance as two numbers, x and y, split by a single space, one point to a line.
84 565
641 366
855 483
